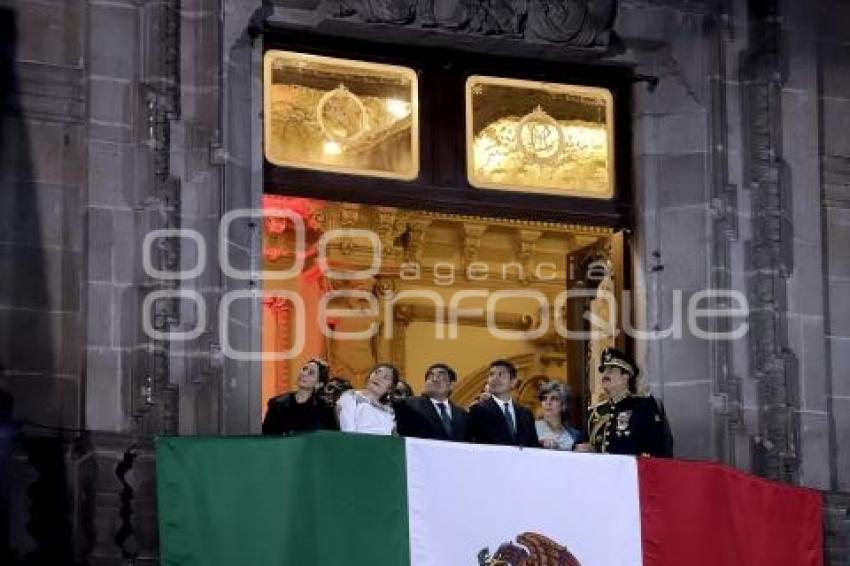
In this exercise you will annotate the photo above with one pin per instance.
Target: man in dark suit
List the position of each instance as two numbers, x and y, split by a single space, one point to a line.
432 415
498 420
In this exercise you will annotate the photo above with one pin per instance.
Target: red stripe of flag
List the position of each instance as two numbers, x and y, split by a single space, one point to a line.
704 514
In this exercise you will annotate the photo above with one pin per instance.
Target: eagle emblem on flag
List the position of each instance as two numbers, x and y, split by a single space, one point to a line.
530 549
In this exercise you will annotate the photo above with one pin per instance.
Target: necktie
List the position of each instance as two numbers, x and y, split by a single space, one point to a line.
444 416
511 425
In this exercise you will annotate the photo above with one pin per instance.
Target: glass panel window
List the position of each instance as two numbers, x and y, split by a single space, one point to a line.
539 137
340 115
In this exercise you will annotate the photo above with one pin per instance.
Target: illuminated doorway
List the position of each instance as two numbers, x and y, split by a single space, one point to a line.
414 287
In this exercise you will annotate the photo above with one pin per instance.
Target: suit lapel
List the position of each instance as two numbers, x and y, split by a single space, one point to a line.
431 413
521 423
458 422
499 417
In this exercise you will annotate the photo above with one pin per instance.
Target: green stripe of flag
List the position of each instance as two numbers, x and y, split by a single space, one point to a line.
324 499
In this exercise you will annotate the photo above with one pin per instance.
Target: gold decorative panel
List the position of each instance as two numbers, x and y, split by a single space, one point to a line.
539 137
341 115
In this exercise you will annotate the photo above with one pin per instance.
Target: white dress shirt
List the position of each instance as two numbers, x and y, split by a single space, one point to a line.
444 403
510 403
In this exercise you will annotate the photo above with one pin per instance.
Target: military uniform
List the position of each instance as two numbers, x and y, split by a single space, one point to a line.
632 424
629 423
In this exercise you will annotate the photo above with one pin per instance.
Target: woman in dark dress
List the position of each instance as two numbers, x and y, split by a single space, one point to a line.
303 409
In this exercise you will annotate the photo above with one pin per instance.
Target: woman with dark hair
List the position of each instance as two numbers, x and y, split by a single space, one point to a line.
553 428
303 409
402 391
369 410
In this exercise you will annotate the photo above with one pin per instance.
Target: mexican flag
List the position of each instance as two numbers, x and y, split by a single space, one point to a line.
335 499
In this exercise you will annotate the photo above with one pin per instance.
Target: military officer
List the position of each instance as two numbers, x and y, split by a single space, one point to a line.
626 422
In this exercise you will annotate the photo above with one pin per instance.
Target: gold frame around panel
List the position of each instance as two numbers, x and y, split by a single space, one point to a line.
539 85
268 59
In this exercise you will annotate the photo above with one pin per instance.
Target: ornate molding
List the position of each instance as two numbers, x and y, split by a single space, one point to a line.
577 23
278 234
526 246
280 310
406 235
514 222
342 216
417 229
277 305
389 226
472 234
406 312
154 398
724 210
770 258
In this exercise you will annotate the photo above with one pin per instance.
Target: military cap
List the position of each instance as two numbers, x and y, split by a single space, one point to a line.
616 358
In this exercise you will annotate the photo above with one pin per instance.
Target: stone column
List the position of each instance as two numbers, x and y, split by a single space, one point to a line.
671 247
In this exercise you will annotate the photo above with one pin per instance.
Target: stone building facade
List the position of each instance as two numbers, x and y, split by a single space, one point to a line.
120 117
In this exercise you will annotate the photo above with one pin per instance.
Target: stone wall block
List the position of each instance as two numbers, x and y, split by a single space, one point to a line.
111 174
841 417
814 450
111 101
838 249
59 38
100 314
126 247
682 133
113 40
105 410
684 248
682 179
56 153
835 58
839 352
687 407
839 297
836 124
41 214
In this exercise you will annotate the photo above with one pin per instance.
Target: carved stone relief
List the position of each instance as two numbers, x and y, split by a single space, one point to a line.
772 363
526 245
724 209
416 231
472 234
579 23
154 398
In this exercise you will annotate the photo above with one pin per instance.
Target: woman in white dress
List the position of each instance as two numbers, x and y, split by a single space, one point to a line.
368 410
